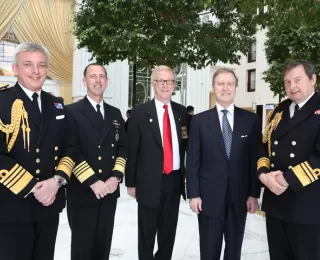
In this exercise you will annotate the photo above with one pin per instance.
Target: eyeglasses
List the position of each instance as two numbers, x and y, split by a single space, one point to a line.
160 82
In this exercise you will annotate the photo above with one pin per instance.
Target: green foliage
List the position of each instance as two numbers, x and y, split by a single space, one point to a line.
150 32
293 33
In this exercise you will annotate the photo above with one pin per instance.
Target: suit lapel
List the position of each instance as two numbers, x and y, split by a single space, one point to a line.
177 119
215 128
27 104
153 121
107 123
47 114
238 124
287 123
91 114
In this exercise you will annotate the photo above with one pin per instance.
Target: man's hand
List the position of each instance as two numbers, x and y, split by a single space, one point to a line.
100 189
196 205
132 191
252 205
112 184
45 191
281 180
269 180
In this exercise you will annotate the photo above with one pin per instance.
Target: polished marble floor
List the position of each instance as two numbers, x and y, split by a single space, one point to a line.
124 245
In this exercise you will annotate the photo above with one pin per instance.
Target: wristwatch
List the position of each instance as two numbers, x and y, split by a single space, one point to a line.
60 181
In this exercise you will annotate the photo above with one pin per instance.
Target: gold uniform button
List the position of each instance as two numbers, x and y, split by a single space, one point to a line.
38 160
275 142
294 143
272 165
99 146
112 157
112 145
56 157
289 167
99 158
37 179
273 153
292 155
37 171
100 171
37 150
56 148
55 167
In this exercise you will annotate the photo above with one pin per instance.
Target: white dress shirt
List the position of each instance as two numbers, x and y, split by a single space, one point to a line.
291 107
230 114
175 143
29 93
94 104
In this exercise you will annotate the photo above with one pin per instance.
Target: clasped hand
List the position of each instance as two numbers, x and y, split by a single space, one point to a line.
275 182
45 191
102 189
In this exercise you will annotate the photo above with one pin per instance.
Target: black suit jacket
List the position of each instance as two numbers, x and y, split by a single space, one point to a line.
102 148
294 150
145 157
50 154
209 171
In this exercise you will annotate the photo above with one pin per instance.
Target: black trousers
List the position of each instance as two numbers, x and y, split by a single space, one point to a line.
91 225
229 224
289 241
161 221
29 241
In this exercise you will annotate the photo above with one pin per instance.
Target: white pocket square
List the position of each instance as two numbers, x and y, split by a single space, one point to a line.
244 136
60 117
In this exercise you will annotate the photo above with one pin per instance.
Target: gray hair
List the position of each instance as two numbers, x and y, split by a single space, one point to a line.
30 47
161 67
222 71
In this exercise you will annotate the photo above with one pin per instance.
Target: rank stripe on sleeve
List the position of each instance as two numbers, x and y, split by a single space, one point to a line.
263 162
120 165
83 171
15 179
66 165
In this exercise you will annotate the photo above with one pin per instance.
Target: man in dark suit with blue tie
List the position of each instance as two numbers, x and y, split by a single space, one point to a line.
221 170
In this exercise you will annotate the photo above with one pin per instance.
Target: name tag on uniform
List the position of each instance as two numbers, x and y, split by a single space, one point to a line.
60 117
184 132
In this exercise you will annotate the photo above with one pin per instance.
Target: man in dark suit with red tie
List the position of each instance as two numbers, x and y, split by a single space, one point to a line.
221 170
157 136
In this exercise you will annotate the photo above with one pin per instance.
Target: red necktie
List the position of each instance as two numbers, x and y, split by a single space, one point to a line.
167 143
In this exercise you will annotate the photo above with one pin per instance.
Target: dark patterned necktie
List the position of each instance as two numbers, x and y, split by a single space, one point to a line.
226 132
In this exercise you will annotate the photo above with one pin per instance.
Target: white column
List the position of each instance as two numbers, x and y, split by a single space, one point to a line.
198 88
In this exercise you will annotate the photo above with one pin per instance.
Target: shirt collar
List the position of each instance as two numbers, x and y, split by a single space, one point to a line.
29 92
94 103
301 104
159 104
229 108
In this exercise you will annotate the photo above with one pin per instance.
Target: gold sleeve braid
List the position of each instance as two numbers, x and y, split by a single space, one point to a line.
15 179
83 171
18 116
120 165
305 173
270 127
66 165
263 162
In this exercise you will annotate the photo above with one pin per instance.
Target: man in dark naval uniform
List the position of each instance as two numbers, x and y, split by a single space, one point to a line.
289 167
35 160
94 188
